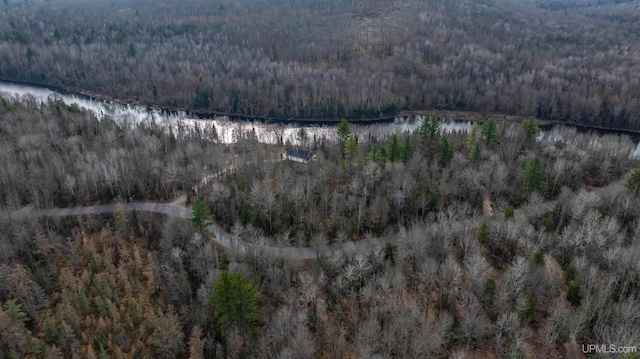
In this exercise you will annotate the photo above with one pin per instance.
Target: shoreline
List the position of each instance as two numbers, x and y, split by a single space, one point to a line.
449 114
203 115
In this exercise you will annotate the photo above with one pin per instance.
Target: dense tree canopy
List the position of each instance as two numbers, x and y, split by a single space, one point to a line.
78 287
449 275
301 59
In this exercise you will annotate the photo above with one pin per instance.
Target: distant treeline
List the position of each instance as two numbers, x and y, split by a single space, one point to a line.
319 59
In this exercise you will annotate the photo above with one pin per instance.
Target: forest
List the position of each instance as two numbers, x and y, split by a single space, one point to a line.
574 61
500 242
473 268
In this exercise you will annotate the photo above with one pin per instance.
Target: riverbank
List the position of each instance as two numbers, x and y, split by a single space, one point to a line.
94 96
544 124
448 114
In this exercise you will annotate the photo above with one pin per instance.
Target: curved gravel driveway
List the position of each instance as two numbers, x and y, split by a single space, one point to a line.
225 239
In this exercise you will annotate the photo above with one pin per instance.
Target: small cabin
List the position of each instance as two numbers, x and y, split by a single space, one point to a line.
298 155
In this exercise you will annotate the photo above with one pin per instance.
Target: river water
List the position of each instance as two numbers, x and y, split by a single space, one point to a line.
229 131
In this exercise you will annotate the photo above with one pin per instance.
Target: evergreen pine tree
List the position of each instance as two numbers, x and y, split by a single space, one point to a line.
474 154
446 149
490 132
236 302
633 182
428 129
530 129
350 148
407 149
534 174
343 130
393 148
302 136
201 215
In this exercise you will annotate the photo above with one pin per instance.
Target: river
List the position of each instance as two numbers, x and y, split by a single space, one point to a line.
228 131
